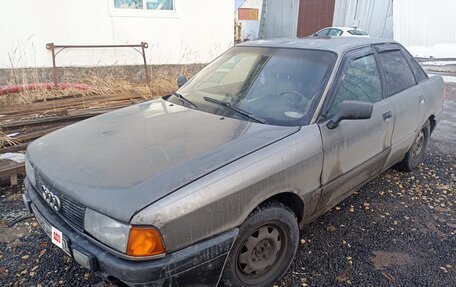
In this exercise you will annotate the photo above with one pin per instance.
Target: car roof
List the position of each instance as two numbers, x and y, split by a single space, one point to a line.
338 45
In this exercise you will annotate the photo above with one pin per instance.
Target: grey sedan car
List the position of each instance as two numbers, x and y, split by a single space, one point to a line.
211 183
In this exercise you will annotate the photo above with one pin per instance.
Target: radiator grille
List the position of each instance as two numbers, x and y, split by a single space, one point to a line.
71 211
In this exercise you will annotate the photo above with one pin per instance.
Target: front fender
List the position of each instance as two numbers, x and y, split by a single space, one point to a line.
223 199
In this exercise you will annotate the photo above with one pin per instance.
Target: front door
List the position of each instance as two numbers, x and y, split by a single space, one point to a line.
356 150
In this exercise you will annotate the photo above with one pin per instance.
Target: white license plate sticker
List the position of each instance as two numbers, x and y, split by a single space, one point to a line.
57 237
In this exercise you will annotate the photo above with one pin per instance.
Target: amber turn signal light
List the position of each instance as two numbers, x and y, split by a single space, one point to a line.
144 241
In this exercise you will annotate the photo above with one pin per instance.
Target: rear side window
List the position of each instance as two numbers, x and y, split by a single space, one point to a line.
398 74
357 32
360 82
420 75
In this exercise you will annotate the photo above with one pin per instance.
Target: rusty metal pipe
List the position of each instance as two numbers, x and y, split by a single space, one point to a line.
144 45
53 47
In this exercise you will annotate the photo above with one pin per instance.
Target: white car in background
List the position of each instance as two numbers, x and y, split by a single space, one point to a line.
342 32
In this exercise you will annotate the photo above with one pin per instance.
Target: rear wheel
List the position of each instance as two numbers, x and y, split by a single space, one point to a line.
265 247
415 156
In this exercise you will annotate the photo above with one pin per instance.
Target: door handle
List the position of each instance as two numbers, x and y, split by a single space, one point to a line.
388 115
421 99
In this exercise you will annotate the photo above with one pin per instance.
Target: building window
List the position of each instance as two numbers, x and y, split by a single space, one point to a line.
144 4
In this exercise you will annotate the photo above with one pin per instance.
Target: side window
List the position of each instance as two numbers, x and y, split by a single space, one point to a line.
419 73
323 32
398 74
357 32
335 32
360 82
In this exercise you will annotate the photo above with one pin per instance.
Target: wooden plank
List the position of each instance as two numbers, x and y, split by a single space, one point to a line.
69 115
53 123
13 169
13 179
67 110
38 121
71 96
36 134
65 103
14 148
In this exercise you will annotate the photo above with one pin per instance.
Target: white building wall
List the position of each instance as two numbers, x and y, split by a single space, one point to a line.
373 16
196 32
426 27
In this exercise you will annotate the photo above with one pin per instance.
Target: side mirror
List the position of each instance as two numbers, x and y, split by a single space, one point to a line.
351 110
181 80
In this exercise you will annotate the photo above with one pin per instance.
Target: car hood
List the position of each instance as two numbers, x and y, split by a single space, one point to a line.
120 162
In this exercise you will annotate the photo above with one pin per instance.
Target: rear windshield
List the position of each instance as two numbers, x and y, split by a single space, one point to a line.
357 32
280 86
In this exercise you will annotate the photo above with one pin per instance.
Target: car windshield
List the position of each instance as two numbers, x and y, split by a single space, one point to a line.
269 85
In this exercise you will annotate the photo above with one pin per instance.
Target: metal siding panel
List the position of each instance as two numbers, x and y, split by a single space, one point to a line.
280 19
340 8
425 22
373 16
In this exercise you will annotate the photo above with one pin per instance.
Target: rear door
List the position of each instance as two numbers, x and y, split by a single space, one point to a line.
406 97
356 150
421 79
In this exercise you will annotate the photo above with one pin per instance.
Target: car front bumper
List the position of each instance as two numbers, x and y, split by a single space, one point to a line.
200 264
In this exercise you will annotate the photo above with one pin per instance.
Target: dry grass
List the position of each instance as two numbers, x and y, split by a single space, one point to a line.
30 96
5 140
102 82
106 81
162 83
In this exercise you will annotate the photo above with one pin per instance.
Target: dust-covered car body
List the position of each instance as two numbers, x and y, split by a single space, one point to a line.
193 167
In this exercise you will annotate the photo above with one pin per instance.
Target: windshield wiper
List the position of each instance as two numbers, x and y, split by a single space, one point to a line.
185 100
236 109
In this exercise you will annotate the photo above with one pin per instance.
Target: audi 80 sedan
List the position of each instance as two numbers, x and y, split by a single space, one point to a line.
211 184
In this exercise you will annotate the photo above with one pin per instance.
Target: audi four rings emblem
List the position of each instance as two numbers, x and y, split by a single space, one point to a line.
51 198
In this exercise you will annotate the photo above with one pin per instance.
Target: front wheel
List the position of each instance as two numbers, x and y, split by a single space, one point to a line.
265 247
415 156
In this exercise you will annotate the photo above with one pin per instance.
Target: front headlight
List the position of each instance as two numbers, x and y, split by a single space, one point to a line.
107 230
30 172
138 241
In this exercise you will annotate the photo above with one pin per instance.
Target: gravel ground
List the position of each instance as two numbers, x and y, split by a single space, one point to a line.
399 230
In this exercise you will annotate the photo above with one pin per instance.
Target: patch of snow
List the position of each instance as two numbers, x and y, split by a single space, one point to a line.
13 156
12 135
438 63
436 51
449 79
446 79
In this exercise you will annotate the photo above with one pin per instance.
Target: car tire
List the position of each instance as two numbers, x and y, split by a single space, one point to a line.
264 248
415 156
